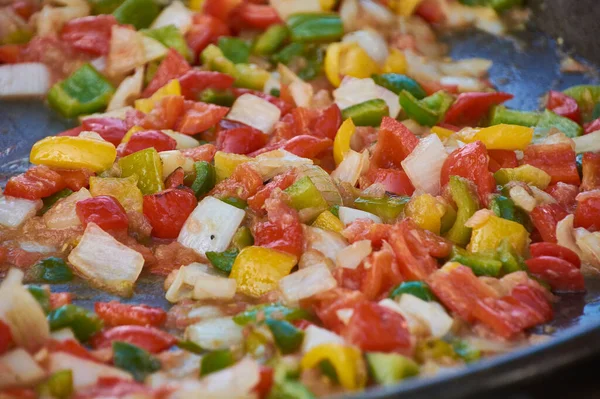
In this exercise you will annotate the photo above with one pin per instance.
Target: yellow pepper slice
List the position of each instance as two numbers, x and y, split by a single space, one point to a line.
125 190
426 211
525 173
130 133
355 62
341 143
173 88
257 270
327 5
71 152
491 230
442 132
346 360
395 62
328 221
406 8
501 137
196 5
225 164
332 64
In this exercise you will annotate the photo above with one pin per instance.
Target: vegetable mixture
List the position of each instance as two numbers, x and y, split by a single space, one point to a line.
332 203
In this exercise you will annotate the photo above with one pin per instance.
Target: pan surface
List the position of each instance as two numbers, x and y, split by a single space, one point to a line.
526 65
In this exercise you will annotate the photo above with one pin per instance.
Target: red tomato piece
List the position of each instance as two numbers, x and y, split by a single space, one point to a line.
58 299
23 8
205 152
413 257
114 313
11 53
200 117
265 382
550 249
243 183
588 128
563 105
431 11
173 66
375 328
241 140
38 182
560 274
112 387
564 194
149 338
545 218
165 114
502 159
470 162
281 182
75 179
72 132
5 337
536 297
587 213
60 58
90 35
326 305
395 142
175 179
381 274
205 30
591 171
193 82
558 160
19 393
283 106
110 129
168 210
366 229
395 181
282 230
307 146
220 8
470 108
328 122
149 139
72 347
254 16
103 210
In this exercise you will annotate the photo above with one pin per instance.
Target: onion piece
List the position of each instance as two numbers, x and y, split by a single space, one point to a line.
64 334
353 255
588 142
432 313
50 19
255 112
178 290
329 243
15 211
18 368
216 333
129 90
349 11
63 215
378 12
207 283
211 226
322 181
183 140
105 262
464 84
349 215
470 67
126 51
306 282
175 14
352 167
24 80
565 235
424 164
285 8
372 42
153 49
344 315
302 93
354 91
415 325
119 113
589 243
273 163
315 336
85 372
174 159
522 198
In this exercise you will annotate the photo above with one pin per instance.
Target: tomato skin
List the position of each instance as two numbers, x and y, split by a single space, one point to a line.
545 218
587 213
282 230
502 159
306 146
114 313
564 194
103 210
431 11
559 273
165 114
173 66
591 171
149 139
110 129
112 387
38 182
470 108
563 105
413 257
205 30
328 122
75 179
550 249
168 210
395 142
395 181
254 16
382 273
58 299
281 181
200 117
205 152
72 347
193 82
175 179
241 140
90 35
5 337
366 229
149 338
558 160
265 383
326 305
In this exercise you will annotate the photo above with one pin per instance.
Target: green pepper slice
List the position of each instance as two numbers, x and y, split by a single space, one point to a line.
315 27
481 265
170 37
503 207
368 113
217 97
59 385
511 260
53 199
389 368
304 194
288 53
54 271
223 260
146 164
82 322
420 289
500 114
137 361
235 201
467 205
205 178
216 361
587 97
551 120
104 6
274 310
41 295
288 338
271 39
139 13
235 49
387 207
242 238
466 351
396 83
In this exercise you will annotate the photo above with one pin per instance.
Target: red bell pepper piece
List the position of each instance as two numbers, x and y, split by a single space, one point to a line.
165 114
588 128
205 30
470 108
431 11
38 182
149 338
329 302
502 159
560 274
72 347
395 142
112 387
545 218
563 105
306 146
168 210
220 8
241 140
550 249
591 171
587 213
90 35
110 129
205 152
149 139
558 160
413 256
254 16
194 82
72 132
282 230
58 299
328 122
114 313
172 67
395 181
265 382
5 337
75 179
103 210
199 117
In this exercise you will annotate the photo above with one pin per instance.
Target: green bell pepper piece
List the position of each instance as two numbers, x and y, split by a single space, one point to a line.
250 76
217 97
335 209
235 201
500 114
274 310
288 53
59 385
104 6
503 207
242 238
596 112
223 260
420 289
205 178
396 83
146 164
428 111
315 27
137 361
466 351
439 102
275 92
481 265
387 207
289 389
170 37
216 361
467 205
389 368
448 219
314 57
368 113
271 39
213 58
151 69
54 270
41 295
85 91
139 13
587 96
235 49
82 322
551 120
288 338
190 346
304 194
53 199
511 260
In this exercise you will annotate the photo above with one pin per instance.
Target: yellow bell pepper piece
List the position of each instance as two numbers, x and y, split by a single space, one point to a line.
503 137
406 8
71 152
441 132
332 64
341 143
526 173
395 62
130 133
328 221
257 270
196 5
355 62
225 164
125 190
327 5
426 211
346 360
491 230
173 88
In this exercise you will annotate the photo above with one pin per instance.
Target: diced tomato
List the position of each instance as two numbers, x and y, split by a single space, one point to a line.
395 181
193 82
75 179
564 194
431 11
149 338
205 152
205 30
366 229
470 108
165 114
306 146
243 183
254 16
413 257
18 393
395 142
110 129
470 162
38 182
588 128
172 67
265 382
90 35
58 299
149 139
534 296
502 159
175 179
220 8
328 122
72 347
587 213
282 230
72 132
201 116
11 53
23 8
545 218
550 249
563 105
113 387
22 259
381 274
60 58
168 210
5 337
558 160
281 182
560 274
114 313
241 140
283 106
104 210
591 171
326 305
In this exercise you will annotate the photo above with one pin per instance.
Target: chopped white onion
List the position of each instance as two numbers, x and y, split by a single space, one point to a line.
64 334
174 159
211 226
119 113
588 142
349 11
285 8
24 80
15 211
542 197
378 12
90 135
306 282
273 83
126 51
372 42
349 215
522 198
589 243
105 262
255 112
302 93
322 181
464 84
129 90
206 312
31 246
178 290
175 14
217 333
18 368
354 91
470 67
344 315
50 19
153 49
432 313
183 140
208 284
329 243
99 63
415 325
273 163
565 235
424 164
85 372
353 255
315 336
352 167
63 215
479 218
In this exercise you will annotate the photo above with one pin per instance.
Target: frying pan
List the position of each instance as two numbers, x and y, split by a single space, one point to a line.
526 65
